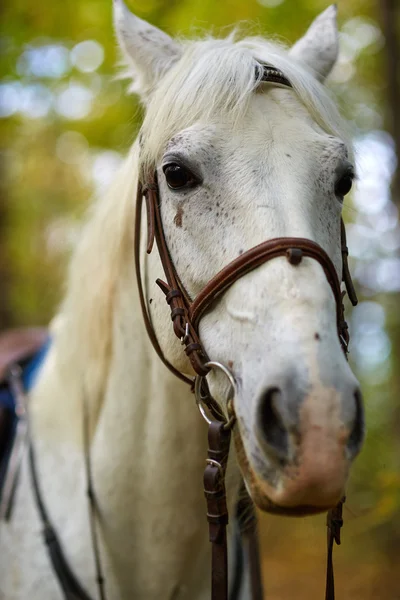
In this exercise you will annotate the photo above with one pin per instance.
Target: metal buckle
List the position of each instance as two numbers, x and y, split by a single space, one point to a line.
185 338
229 423
345 344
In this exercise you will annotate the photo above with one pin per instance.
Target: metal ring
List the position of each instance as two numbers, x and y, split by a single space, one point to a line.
199 399
185 337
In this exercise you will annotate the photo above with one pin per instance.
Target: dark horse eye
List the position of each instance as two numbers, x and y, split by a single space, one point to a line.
344 185
177 176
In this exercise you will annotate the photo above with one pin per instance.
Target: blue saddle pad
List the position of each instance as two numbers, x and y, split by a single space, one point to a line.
30 369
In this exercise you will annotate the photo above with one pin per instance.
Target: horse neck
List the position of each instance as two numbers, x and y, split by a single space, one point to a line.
148 453
148 441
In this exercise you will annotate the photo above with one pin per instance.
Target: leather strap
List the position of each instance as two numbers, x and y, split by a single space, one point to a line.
258 255
351 292
72 589
69 584
19 444
217 512
247 518
145 313
334 522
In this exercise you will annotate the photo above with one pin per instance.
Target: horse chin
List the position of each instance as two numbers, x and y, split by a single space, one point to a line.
262 492
265 504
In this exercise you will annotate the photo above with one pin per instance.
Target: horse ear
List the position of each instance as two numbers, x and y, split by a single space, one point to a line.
319 47
148 51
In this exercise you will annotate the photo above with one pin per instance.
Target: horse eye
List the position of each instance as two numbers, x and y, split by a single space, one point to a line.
177 176
344 185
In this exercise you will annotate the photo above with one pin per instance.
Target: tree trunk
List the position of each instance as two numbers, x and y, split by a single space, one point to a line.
390 11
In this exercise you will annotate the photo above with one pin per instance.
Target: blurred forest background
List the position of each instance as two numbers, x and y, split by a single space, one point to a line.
66 124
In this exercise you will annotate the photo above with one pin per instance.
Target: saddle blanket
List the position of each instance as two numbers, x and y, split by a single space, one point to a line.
30 368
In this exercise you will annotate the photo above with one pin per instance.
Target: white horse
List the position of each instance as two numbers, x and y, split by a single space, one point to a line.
252 161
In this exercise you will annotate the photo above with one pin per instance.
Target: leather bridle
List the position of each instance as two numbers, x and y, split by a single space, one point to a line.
186 314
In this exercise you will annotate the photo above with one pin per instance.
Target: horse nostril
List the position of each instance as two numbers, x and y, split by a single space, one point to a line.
357 433
271 424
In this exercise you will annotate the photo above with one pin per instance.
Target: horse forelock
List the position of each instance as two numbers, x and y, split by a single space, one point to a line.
215 79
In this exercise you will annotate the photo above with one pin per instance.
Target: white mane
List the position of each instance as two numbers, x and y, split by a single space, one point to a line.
214 80
84 326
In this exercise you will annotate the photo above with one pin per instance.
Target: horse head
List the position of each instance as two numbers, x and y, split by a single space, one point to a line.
239 161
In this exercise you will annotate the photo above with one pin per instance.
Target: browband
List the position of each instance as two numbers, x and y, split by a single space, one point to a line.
273 75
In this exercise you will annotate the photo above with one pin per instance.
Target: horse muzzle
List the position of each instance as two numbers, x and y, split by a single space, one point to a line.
300 456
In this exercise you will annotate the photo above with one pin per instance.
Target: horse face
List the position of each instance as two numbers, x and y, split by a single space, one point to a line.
223 192
226 185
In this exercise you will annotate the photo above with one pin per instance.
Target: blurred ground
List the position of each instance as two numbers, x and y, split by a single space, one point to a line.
294 561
